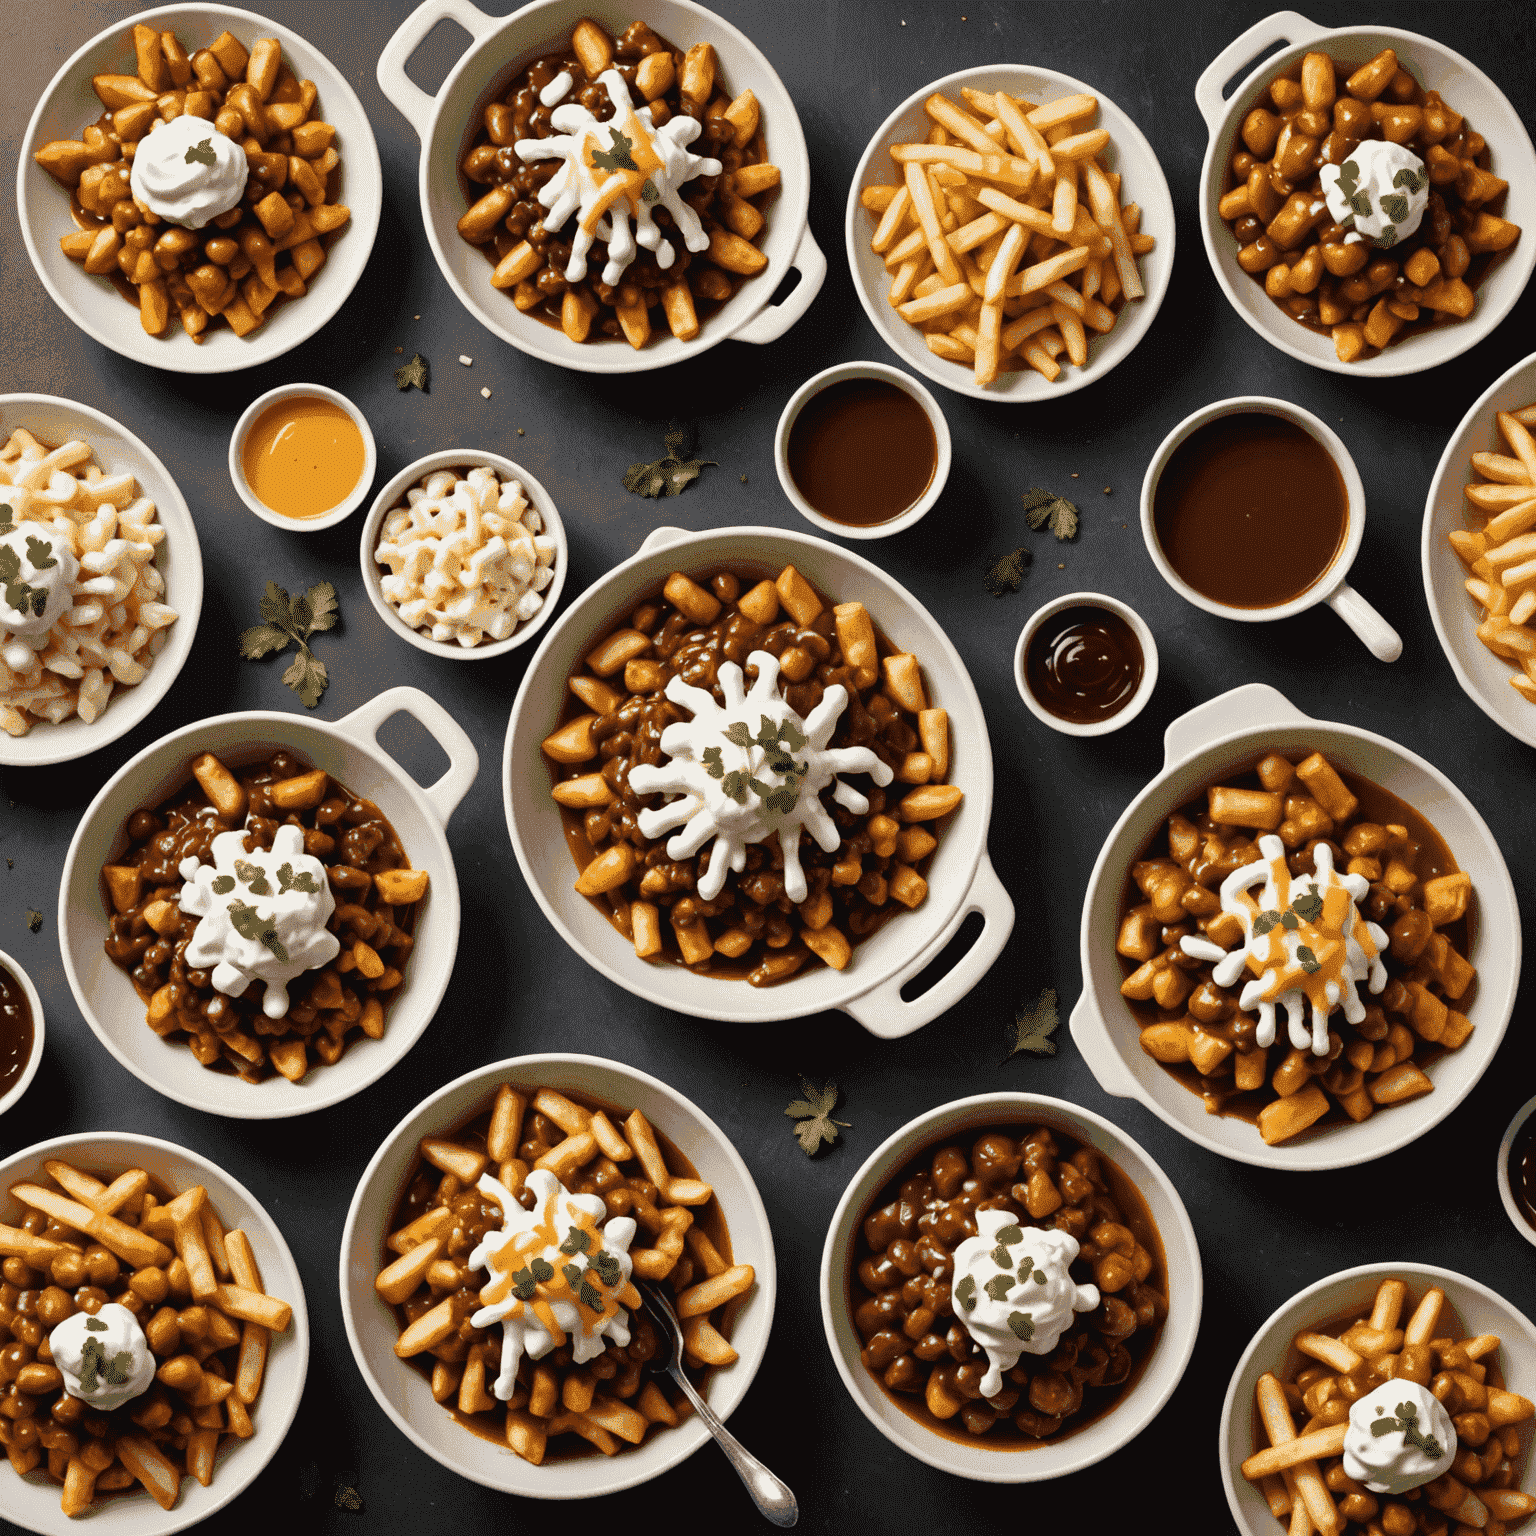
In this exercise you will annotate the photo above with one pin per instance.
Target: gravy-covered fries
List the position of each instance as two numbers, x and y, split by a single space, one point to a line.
1005 237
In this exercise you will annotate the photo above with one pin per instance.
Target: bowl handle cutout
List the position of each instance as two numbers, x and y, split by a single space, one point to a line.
1241 709
883 1011
463 760
663 538
771 323
413 103
1091 1035
1284 28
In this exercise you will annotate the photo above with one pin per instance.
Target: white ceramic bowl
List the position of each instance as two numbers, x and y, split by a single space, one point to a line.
33 1502
1484 677
243 489
837 375
1137 701
1521 1222
1465 88
179 560
12 1097
961 879
503 45
1351 1291
1143 183
349 750
393 495
1230 733
69 104
405 1395
1170 1354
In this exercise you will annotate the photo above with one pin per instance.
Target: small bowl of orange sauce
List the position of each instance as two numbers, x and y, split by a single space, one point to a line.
302 457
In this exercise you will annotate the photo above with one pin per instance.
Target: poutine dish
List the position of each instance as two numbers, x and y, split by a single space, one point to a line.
1080 1317
1387 1422
273 873
1006 240
96 1264
787 880
1324 200
244 210
530 1218
1296 888
570 138
81 598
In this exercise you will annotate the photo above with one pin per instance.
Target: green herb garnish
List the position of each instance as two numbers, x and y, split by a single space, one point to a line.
288 881
1407 1422
1043 507
414 373
607 1267
1010 1234
1038 1277
95 1325
577 1240
1309 961
965 1293
1033 1027
998 1287
6 516
814 1112
1308 906
542 1269
649 194
1414 180
19 594
254 876
1001 1257
201 154
1022 1326
250 924
1264 922
223 884
674 472
523 1284
1006 572
617 158
34 920
296 619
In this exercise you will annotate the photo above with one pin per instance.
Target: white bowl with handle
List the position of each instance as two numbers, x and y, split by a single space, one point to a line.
1465 88
1228 735
349 751
503 45
960 876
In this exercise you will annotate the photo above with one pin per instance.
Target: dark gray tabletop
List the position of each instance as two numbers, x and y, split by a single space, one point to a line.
1263 1235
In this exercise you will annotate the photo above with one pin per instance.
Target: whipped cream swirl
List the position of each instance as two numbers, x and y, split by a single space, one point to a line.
188 172
105 1359
1399 1437
1380 193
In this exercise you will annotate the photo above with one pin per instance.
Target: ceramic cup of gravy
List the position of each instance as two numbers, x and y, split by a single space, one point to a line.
862 450
1253 509
1085 664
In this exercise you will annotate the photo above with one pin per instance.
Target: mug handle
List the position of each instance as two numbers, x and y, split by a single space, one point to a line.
1281 27
883 1011
408 98
771 323
463 760
1380 639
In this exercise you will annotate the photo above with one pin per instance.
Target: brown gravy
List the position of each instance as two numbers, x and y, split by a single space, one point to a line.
1084 664
16 1031
1522 1169
1251 510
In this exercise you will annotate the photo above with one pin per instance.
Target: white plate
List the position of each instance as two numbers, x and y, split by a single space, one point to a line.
1143 183
69 105
179 560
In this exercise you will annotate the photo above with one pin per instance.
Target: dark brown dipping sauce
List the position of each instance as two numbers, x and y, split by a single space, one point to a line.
862 451
1522 1168
1250 510
1084 664
16 1033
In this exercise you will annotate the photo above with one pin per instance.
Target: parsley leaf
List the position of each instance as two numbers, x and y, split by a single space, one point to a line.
1033 1027
414 372
814 1112
40 553
965 1293
308 678
34 920
671 474
1309 961
294 619
1264 922
261 640
1006 572
6 514
998 1287
201 154
1308 906
1042 508
1407 1421
1022 1326
619 157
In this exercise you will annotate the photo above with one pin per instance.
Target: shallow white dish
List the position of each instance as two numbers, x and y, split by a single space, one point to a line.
503 45
1170 1354
1351 1291
33 1501
961 879
1465 87
179 560
348 750
1233 731
1518 1217
1143 183
13 1096
1484 677
69 104
1132 706
405 1394
393 495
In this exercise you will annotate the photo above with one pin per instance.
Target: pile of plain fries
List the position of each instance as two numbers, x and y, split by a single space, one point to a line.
1502 554
197 1292
989 224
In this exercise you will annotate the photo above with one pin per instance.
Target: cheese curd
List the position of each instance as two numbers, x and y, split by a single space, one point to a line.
101 598
468 557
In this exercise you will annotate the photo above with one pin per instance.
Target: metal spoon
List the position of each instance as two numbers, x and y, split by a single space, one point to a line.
770 1495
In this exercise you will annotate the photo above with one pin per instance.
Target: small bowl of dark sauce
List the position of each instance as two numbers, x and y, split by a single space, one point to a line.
1517 1171
862 450
21 1032
1086 664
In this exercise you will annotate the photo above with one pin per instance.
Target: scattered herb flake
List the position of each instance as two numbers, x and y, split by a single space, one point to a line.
1289 921
1033 1027
1042 508
1010 1234
543 1270
1006 572
578 1240
1407 1421
1038 1277
349 1499
619 157
1001 1257
297 619
201 154
34 920
814 1112
416 372
1022 1326
95 1325
1308 906
671 474
965 1293
998 1287
1309 961
1264 922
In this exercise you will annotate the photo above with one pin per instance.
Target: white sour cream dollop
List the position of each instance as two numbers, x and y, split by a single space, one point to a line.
263 915
1013 1293
560 1269
22 548
1399 1437
172 175
1380 191
105 1360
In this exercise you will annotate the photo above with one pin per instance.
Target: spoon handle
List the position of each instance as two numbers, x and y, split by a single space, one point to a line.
769 1493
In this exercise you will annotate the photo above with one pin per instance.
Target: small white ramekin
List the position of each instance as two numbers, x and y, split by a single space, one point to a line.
1137 701
1506 1189
248 419
12 1097
836 375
